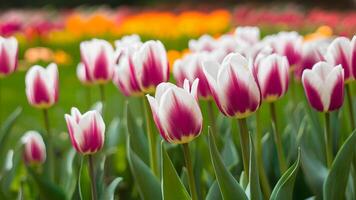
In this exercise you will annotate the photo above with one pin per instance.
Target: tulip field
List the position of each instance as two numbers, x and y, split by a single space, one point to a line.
137 103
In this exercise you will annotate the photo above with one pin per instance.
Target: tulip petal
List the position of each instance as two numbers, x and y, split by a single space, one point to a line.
339 53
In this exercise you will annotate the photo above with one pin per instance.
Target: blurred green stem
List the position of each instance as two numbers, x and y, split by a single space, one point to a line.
351 108
92 177
151 138
50 151
328 140
263 177
189 166
277 139
212 123
244 142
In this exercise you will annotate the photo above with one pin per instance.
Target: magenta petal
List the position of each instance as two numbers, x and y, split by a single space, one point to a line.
152 70
36 152
4 62
343 60
313 96
337 95
273 84
292 55
203 87
101 68
92 138
40 92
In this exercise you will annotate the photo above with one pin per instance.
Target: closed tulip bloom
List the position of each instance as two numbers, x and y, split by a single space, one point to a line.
42 86
190 68
98 59
87 131
82 75
324 86
249 34
233 86
34 148
272 73
126 43
151 65
339 53
204 43
8 55
176 112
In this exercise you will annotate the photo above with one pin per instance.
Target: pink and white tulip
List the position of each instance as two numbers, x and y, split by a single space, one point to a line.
34 148
98 59
151 65
324 86
126 43
42 86
248 34
233 86
342 52
204 43
87 131
272 73
8 55
176 112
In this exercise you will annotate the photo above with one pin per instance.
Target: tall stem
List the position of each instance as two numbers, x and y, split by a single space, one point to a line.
277 139
351 108
50 149
328 140
189 166
212 122
263 177
92 177
151 138
244 142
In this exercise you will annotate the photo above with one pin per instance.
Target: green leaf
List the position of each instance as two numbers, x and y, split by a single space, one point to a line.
110 190
285 186
229 187
68 178
254 183
112 136
138 140
8 123
214 192
148 185
335 183
172 186
80 177
47 189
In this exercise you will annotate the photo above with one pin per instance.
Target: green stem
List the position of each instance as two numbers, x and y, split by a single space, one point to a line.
351 108
189 166
92 177
151 138
328 140
50 149
0 101
277 139
263 177
212 123
244 142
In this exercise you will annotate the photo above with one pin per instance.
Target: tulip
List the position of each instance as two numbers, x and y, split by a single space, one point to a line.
248 34
233 86
86 131
126 43
204 43
272 75
8 55
324 86
35 149
151 65
98 59
42 86
176 112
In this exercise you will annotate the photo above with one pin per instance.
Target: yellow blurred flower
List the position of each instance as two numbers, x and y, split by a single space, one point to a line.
37 54
320 33
173 55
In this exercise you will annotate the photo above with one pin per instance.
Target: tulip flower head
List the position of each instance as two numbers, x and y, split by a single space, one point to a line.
233 86
151 65
176 112
8 55
87 131
342 52
98 59
248 34
272 73
42 86
126 43
324 86
34 148
204 43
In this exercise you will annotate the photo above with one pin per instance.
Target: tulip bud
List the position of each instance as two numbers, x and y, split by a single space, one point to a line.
272 73
98 59
339 53
204 43
151 65
8 55
42 86
233 86
34 149
86 131
190 68
324 86
176 112
82 75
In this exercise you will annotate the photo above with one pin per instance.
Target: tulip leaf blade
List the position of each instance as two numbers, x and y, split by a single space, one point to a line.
68 178
110 190
285 185
172 186
336 181
214 192
148 184
229 187
254 183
